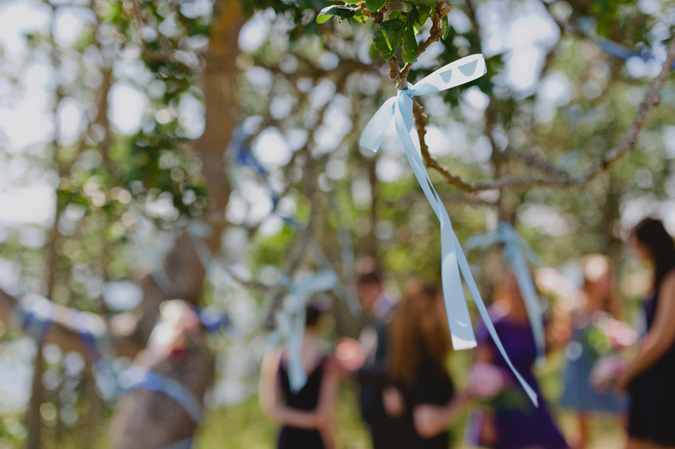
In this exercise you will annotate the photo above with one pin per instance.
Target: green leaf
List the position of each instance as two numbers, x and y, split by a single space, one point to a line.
424 16
343 11
424 3
410 43
375 5
388 36
410 46
446 27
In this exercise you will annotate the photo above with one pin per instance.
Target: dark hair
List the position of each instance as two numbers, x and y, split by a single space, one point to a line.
651 233
370 277
417 332
315 310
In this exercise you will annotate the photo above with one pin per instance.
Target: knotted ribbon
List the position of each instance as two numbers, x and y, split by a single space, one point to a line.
516 252
400 108
291 323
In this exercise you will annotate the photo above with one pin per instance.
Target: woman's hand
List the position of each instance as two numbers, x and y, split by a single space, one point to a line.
349 355
623 382
393 402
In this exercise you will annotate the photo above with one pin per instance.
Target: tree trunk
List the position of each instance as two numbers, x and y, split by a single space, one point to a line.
140 410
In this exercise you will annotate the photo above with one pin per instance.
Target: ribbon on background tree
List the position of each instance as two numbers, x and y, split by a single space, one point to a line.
454 265
517 252
588 30
140 378
291 320
34 316
242 154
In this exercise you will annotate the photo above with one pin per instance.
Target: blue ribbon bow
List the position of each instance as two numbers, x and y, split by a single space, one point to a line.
516 252
400 109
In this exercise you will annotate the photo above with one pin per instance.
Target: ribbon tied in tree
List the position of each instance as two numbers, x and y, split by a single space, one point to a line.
453 262
516 252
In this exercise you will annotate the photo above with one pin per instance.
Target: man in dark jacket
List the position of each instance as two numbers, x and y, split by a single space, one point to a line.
372 375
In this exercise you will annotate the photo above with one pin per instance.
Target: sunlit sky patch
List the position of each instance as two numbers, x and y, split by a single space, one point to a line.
520 34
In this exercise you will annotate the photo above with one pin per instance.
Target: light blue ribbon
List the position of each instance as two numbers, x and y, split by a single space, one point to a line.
156 270
515 251
34 316
291 324
100 350
138 377
241 154
400 108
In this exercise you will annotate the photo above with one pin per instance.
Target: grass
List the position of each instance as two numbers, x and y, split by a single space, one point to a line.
244 427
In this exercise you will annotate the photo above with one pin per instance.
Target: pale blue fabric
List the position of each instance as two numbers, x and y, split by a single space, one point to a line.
34 316
454 265
138 377
291 323
516 250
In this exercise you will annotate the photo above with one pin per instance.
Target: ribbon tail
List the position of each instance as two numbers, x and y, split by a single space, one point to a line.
373 133
482 309
459 319
296 373
529 293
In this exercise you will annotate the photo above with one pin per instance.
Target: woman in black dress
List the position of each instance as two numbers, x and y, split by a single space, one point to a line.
306 416
421 387
650 377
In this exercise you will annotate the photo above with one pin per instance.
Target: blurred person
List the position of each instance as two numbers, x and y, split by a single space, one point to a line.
420 344
367 360
512 421
595 302
650 377
307 415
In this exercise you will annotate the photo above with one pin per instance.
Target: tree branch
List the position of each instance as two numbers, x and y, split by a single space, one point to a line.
559 177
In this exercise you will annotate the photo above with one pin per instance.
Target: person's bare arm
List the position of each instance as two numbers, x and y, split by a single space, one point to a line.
325 410
270 396
431 420
659 338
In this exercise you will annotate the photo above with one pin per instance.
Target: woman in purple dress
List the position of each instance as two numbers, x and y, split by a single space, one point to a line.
513 422
650 377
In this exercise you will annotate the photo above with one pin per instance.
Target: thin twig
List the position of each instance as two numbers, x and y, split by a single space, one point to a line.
301 245
564 179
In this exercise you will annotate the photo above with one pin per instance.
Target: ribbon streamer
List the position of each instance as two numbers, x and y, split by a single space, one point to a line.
242 154
291 323
515 250
400 109
34 316
99 348
138 377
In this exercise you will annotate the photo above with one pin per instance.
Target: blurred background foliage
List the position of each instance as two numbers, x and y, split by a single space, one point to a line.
103 103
